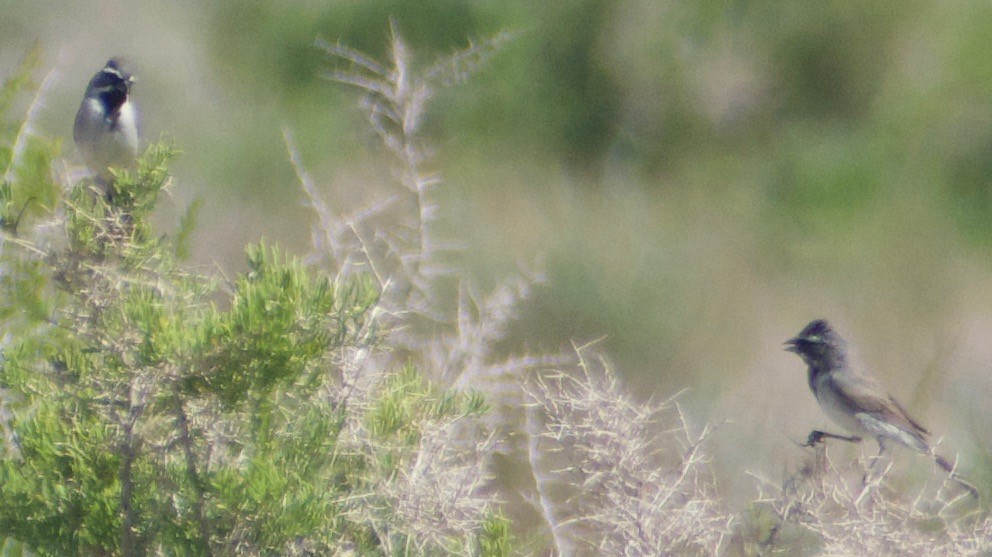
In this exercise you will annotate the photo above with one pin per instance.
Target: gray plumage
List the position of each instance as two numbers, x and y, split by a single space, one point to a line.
856 401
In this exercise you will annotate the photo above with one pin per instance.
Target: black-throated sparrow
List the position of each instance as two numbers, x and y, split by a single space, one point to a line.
856 401
106 129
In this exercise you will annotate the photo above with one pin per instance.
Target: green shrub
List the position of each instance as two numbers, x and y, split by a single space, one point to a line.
148 409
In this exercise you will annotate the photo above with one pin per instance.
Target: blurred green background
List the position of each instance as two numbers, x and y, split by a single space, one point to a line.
699 179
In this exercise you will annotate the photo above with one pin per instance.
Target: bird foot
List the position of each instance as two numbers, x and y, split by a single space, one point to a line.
817 436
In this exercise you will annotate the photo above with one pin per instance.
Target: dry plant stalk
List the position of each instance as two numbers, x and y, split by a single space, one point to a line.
635 476
426 315
844 512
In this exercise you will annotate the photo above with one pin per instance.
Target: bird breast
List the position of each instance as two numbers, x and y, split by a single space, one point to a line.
104 141
834 405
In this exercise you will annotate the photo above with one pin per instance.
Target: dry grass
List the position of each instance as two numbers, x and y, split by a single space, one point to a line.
830 509
634 476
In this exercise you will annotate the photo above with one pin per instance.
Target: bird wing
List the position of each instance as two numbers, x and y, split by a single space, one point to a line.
906 415
877 411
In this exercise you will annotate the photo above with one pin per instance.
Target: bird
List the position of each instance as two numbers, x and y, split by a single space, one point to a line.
106 127
856 401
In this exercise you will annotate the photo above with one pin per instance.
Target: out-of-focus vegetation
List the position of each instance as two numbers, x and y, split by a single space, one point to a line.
698 180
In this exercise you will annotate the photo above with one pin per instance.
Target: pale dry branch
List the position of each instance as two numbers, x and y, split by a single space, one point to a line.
634 488
850 514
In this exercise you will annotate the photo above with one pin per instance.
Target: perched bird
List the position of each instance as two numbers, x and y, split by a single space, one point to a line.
106 129
856 401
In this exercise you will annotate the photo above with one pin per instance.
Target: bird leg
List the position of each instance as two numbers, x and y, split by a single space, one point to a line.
817 436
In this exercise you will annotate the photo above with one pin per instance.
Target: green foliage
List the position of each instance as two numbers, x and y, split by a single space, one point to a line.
495 538
284 488
60 495
281 322
187 223
25 159
14 87
406 407
22 294
146 409
12 548
119 224
408 399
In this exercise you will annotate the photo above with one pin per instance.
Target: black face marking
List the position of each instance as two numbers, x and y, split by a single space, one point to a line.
111 86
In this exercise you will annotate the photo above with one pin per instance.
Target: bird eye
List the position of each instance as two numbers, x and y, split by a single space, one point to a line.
815 338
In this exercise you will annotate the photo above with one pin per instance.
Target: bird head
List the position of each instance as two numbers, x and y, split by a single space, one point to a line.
817 343
111 85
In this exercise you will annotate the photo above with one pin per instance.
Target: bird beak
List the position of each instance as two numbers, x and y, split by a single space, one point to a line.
792 345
